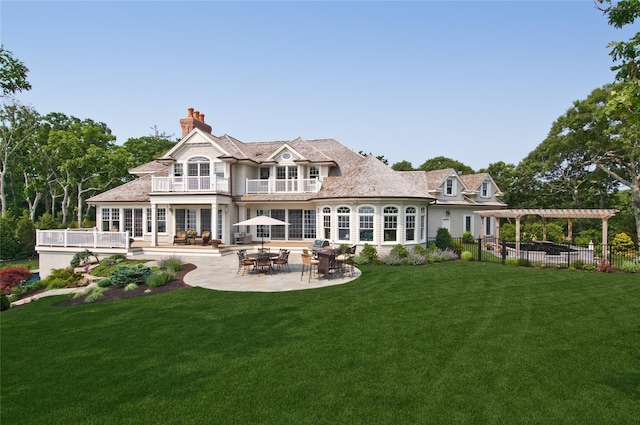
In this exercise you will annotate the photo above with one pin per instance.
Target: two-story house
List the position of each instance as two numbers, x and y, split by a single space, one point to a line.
320 187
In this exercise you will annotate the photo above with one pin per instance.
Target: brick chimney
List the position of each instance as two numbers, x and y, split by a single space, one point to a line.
193 120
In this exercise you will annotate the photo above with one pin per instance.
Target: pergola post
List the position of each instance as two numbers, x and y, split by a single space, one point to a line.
605 236
544 229
570 230
518 236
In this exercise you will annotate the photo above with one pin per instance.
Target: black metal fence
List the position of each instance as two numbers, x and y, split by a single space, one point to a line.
551 254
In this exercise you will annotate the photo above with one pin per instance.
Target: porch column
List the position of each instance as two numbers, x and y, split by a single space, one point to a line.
214 219
154 225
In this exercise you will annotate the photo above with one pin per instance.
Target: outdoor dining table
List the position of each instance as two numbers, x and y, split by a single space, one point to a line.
255 255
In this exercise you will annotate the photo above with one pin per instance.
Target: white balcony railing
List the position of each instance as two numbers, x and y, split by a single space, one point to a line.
283 186
190 184
84 238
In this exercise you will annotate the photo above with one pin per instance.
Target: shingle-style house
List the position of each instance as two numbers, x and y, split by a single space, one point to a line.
323 189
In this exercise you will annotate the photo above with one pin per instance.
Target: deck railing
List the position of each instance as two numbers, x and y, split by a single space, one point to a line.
190 184
83 238
283 186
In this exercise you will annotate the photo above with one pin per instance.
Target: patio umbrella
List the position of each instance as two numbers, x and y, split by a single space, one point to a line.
262 220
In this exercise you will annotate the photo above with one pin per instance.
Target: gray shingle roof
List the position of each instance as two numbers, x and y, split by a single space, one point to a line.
134 191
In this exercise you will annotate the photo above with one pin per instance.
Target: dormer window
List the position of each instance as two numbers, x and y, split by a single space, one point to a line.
486 190
314 172
450 187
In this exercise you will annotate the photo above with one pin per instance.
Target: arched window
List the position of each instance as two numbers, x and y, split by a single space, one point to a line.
390 216
410 224
326 222
365 223
344 214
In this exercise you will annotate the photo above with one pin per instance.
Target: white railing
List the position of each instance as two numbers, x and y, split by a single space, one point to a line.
283 186
190 184
85 238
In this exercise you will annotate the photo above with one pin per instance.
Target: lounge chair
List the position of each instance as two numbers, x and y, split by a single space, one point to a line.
180 237
204 238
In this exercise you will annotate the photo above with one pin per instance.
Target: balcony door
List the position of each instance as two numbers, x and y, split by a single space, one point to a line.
198 173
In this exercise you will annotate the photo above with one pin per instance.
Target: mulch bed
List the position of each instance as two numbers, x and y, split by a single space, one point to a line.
117 293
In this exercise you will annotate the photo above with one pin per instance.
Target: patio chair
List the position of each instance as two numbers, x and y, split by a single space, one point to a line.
264 250
309 263
180 237
263 263
243 261
204 238
282 261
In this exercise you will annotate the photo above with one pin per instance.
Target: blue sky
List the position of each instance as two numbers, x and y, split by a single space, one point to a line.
476 81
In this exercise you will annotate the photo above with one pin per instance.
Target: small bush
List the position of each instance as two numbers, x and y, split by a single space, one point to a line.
511 262
62 278
159 278
369 254
113 259
416 259
605 266
95 293
172 264
121 276
467 238
392 259
82 258
622 244
130 287
629 267
4 302
400 250
419 249
466 256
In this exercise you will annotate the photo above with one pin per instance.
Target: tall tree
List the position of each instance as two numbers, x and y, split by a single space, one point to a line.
442 162
13 74
18 124
505 177
147 148
619 158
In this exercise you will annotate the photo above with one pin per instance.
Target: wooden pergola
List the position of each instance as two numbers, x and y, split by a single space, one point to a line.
569 214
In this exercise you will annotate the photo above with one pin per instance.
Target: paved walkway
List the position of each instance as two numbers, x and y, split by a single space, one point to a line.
220 273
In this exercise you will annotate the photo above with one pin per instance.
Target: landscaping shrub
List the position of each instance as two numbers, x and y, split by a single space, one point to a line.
172 264
4 302
415 258
419 249
62 278
466 255
94 293
113 259
629 267
467 238
159 278
443 239
605 266
123 275
622 244
13 276
82 258
400 250
392 259
131 287
368 255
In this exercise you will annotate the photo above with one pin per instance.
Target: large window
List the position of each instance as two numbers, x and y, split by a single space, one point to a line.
343 223
205 220
423 212
277 232
186 219
110 219
410 223
326 222
309 224
390 215
295 224
487 229
365 226
262 231
314 172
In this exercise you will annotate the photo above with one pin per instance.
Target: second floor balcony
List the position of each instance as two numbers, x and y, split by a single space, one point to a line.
265 186
190 184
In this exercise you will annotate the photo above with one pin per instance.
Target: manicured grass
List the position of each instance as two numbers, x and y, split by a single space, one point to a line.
31 264
448 343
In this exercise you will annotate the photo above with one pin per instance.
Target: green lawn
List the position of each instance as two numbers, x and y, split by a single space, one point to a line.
439 344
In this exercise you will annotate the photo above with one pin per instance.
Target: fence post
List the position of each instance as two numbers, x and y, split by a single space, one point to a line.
480 249
503 251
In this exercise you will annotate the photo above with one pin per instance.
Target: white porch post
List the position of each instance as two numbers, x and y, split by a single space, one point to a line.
214 219
154 225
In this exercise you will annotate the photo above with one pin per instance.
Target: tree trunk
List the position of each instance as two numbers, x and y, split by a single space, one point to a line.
79 200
